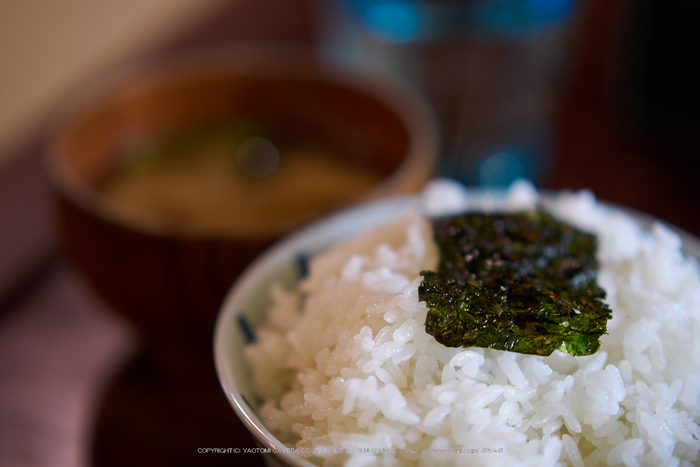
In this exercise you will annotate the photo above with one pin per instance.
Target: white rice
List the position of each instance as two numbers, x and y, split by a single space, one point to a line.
350 377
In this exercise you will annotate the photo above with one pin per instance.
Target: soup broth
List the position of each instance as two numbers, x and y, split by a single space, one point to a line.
233 177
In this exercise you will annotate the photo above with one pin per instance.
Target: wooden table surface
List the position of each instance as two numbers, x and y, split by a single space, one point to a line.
74 390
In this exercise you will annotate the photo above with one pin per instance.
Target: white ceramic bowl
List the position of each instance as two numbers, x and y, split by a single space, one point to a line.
249 296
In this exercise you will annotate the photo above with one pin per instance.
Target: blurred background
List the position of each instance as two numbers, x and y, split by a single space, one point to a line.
568 93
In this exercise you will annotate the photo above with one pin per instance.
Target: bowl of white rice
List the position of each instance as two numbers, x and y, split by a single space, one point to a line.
321 349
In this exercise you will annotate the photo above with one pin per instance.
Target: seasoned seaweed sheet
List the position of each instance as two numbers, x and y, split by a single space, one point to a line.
521 282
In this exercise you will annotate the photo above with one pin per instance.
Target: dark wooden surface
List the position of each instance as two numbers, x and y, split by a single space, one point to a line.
74 388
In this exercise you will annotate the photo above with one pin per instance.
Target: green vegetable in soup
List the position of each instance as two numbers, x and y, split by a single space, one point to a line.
521 282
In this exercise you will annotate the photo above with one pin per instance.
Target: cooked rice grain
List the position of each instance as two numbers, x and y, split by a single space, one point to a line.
345 362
